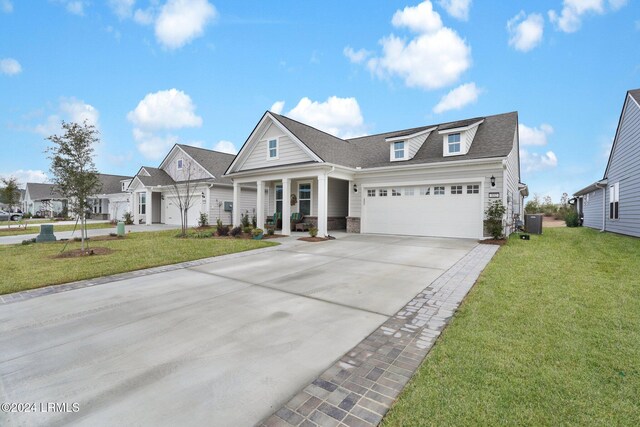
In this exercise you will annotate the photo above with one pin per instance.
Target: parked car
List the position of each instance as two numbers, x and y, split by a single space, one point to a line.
13 216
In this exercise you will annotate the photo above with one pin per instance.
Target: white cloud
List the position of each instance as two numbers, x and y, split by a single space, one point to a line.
435 58
144 17
6 6
337 116
226 147
23 176
458 98
277 107
10 66
532 162
75 7
459 9
162 110
165 109
534 135
122 8
525 31
152 146
181 21
356 56
70 110
570 17
420 19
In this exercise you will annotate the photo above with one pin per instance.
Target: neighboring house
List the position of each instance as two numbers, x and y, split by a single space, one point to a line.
43 200
156 192
111 202
613 203
428 181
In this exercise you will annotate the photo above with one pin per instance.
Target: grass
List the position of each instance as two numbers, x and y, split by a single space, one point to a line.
28 221
56 228
32 266
550 335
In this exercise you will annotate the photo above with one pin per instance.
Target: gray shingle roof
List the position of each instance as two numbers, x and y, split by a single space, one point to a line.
494 138
38 191
156 177
111 183
635 93
215 162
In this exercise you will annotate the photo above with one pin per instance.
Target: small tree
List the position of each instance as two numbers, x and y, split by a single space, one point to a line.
74 172
10 194
495 213
185 192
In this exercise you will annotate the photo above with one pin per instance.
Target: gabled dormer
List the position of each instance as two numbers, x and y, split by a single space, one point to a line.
404 147
457 140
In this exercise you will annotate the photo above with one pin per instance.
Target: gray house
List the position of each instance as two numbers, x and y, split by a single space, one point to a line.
613 203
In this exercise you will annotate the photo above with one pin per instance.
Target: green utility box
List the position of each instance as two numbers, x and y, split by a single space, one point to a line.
46 234
120 229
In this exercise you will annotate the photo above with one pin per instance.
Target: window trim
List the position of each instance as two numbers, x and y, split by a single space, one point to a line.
142 204
451 143
276 148
395 150
179 164
310 199
275 197
614 201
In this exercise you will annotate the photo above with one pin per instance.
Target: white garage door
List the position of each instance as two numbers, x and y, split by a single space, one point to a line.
172 212
452 210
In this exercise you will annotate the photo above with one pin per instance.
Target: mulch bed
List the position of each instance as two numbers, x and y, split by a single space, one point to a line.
78 253
499 242
313 239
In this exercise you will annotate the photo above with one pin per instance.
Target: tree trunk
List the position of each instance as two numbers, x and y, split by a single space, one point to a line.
82 233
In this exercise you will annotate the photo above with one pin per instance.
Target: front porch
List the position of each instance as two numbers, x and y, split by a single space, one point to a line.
322 198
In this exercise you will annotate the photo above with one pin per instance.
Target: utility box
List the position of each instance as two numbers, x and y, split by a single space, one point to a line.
533 223
120 229
228 206
46 234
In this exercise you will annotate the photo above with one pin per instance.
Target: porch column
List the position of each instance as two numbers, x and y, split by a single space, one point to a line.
134 207
322 205
286 206
236 204
351 194
148 208
260 204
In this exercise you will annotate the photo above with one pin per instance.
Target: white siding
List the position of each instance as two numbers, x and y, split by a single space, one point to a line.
171 167
512 199
288 151
225 194
467 138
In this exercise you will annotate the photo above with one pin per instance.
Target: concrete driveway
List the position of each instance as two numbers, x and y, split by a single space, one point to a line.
224 343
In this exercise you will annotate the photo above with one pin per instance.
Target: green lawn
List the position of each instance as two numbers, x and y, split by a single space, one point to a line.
31 266
56 228
550 335
28 221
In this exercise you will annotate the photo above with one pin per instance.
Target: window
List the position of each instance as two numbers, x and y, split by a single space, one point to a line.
123 186
279 198
304 198
142 203
179 164
398 150
456 189
408 191
273 149
383 193
425 191
395 192
371 193
454 143
614 199
473 189
438 191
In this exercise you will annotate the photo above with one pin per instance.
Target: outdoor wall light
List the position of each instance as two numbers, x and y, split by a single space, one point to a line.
203 196
493 181
355 188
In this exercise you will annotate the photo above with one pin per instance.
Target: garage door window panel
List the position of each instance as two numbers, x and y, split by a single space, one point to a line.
456 189
396 192
473 189
438 191
383 193
425 191
371 193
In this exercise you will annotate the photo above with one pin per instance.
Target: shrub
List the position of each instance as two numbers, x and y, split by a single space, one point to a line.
203 221
28 241
236 231
313 232
128 218
494 214
246 229
254 221
271 231
257 231
244 220
113 235
222 230
26 216
572 219
202 235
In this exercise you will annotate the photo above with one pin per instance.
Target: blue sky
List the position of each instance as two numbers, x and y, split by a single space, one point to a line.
202 72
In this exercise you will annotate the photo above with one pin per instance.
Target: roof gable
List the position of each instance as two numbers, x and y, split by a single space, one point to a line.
632 100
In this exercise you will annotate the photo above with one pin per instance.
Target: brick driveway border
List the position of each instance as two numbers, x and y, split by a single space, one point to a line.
359 389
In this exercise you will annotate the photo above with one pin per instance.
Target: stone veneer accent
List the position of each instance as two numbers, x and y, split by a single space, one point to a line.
333 222
353 224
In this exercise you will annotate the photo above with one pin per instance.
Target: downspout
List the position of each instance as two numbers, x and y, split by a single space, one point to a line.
604 206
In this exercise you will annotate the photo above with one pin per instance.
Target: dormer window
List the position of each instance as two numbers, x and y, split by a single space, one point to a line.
273 149
453 141
398 150
179 164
